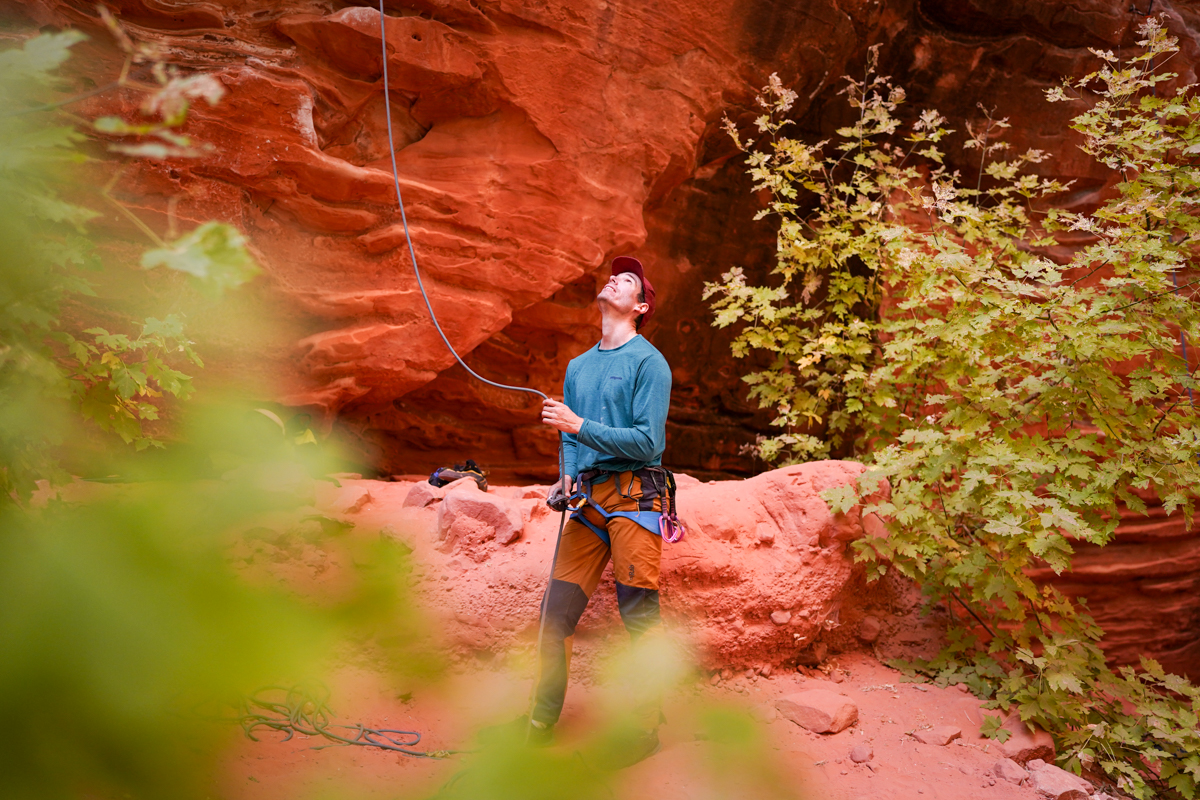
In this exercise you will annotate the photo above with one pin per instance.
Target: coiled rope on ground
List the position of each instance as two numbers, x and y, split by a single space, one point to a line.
304 710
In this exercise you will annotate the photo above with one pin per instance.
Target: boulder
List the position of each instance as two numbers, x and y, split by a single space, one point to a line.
869 628
351 500
719 582
468 518
348 497
423 494
1010 771
1055 783
819 711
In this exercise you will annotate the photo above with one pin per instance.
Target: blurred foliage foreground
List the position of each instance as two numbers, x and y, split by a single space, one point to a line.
123 623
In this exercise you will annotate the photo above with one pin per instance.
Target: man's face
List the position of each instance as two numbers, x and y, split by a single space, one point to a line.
621 294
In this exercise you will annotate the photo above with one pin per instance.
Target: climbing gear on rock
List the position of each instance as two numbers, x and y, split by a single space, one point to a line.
670 526
558 499
446 475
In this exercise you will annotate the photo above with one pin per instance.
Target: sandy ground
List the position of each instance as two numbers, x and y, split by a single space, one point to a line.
816 766
474 693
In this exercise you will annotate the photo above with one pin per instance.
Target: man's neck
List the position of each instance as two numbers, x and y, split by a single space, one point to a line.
615 332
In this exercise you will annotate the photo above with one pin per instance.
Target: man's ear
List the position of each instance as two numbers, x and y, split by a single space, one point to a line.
641 308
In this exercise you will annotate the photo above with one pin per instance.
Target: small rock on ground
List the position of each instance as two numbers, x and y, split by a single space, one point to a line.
819 711
422 495
861 753
869 629
1010 771
1057 784
1023 745
941 736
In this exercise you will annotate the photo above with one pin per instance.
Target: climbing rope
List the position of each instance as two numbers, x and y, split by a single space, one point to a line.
387 105
305 711
412 254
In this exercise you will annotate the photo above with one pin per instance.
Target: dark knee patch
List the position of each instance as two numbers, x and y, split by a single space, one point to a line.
639 608
564 607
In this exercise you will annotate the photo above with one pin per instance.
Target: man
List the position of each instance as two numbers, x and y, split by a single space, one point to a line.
613 415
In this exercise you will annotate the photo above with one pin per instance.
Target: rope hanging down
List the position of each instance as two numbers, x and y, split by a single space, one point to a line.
387 106
412 254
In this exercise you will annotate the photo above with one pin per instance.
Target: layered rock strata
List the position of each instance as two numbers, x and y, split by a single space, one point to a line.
535 142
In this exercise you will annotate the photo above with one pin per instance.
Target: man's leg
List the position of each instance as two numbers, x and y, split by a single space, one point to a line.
582 556
636 556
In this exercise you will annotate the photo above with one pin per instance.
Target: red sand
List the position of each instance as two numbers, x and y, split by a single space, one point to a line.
889 710
755 547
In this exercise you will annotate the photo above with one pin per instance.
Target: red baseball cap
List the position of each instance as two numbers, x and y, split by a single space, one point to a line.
630 264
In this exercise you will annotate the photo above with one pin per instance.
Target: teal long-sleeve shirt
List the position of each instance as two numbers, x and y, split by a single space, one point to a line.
623 396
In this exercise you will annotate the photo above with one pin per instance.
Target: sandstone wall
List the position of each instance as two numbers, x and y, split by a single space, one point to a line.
536 142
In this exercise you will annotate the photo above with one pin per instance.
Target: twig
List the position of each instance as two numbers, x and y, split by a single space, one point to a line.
134 218
973 614
51 106
1143 300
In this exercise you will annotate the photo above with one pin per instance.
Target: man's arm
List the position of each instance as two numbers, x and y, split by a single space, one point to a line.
646 438
569 442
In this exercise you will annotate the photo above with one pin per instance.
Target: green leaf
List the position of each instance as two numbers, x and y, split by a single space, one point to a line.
215 255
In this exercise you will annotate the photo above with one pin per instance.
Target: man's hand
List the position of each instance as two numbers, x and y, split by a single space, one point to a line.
560 494
559 417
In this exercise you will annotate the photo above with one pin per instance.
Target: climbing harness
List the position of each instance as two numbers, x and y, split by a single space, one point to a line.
657 484
304 710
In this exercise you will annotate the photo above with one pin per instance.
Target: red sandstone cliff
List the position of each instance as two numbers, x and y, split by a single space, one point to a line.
536 141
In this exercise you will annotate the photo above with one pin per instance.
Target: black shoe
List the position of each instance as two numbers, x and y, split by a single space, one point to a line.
445 475
519 732
626 749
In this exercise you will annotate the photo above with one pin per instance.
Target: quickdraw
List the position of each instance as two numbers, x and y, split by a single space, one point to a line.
670 526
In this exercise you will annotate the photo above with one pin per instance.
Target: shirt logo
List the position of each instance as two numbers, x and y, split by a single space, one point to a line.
614 378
